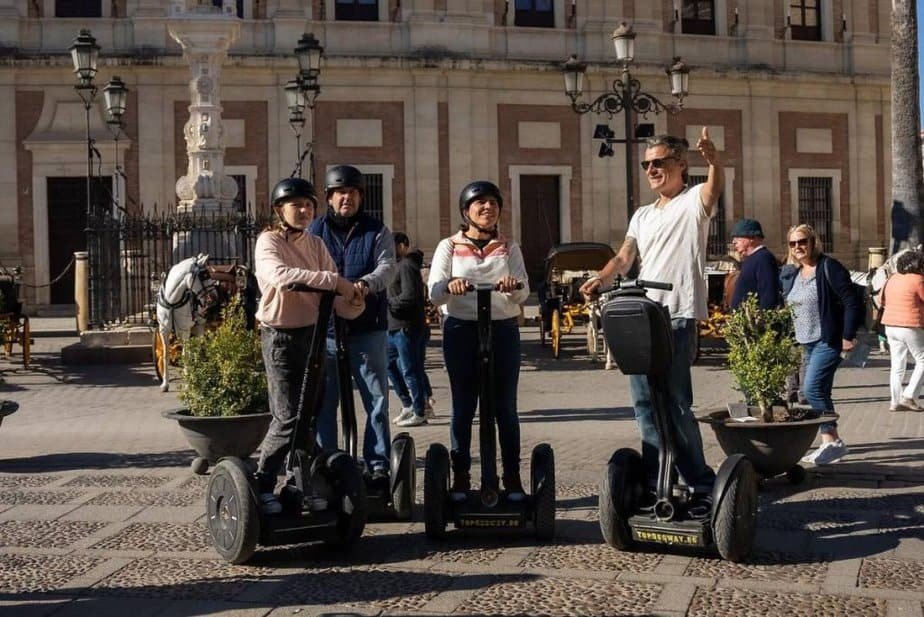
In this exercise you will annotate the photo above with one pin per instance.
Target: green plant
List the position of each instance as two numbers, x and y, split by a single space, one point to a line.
224 370
762 352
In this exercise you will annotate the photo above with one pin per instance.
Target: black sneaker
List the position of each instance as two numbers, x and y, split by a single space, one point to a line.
461 484
700 507
379 478
514 487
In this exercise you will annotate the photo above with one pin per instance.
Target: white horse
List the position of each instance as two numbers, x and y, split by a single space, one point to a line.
597 346
181 302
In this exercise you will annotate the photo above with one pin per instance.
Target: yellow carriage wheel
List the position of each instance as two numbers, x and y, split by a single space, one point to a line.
555 333
26 342
567 322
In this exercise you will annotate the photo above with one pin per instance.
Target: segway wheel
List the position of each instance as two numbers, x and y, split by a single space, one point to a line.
349 500
405 475
734 519
231 510
542 480
622 485
436 490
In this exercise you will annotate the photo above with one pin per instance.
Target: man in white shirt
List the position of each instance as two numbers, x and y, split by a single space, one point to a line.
669 236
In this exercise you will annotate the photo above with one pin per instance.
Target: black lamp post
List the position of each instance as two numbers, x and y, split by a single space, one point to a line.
115 94
626 96
85 54
301 94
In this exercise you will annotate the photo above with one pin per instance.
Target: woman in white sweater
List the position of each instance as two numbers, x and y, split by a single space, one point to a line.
479 254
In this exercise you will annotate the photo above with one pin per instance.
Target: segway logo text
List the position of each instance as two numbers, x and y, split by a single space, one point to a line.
666 538
477 522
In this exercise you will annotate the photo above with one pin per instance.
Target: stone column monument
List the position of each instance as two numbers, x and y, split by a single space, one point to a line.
205 33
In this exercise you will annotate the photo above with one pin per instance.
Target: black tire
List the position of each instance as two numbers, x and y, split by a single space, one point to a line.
734 520
542 480
405 489
231 511
349 500
796 474
620 489
436 490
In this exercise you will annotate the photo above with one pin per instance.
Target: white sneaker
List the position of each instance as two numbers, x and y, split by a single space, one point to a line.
821 456
413 420
428 409
831 454
269 504
406 412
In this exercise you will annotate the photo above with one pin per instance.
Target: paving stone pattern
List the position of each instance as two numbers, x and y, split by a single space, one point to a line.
109 516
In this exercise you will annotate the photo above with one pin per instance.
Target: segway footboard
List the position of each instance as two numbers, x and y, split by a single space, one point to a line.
689 532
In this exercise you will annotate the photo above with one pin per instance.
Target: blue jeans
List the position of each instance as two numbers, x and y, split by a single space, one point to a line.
821 361
689 456
460 351
368 363
406 352
285 353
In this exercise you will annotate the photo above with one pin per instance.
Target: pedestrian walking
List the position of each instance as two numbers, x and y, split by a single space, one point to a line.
760 272
826 317
902 303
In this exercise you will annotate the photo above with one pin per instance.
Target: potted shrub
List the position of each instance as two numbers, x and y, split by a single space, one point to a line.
762 353
226 412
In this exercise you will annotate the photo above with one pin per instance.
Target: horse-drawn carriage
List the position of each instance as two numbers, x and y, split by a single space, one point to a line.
561 305
190 298
14 324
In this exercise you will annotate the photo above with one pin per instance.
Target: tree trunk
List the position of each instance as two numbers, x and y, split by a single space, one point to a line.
907 174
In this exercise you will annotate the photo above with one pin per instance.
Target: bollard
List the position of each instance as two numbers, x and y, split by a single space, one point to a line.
82 290
877 256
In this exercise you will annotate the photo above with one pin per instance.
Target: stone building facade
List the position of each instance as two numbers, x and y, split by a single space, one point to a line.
426 95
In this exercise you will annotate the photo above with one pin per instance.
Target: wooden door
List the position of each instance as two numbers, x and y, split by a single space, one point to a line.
540 222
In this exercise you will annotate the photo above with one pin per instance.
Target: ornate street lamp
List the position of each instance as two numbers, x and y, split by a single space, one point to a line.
115 95
301 94
625 96
85 55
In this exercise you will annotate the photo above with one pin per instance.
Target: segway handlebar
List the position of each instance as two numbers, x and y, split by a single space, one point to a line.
471 287
636 284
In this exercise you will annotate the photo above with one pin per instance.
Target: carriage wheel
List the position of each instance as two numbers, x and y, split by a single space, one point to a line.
26 342
542 331
555 334
9 335
567 321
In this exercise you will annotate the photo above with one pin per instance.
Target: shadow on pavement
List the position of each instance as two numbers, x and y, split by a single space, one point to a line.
576 414
95 460
105 375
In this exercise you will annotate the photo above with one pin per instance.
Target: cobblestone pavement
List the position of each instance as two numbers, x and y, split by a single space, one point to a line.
100 515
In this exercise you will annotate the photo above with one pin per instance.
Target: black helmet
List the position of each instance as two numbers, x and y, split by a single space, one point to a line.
343 176
293 188
476 189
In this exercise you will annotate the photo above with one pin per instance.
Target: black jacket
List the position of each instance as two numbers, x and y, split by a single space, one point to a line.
406 297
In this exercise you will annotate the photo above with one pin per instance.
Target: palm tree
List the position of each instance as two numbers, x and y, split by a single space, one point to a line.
907 174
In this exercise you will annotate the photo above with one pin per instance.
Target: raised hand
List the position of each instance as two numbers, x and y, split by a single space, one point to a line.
706 148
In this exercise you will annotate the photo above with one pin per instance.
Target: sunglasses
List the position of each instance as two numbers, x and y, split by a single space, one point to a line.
799 242
657 163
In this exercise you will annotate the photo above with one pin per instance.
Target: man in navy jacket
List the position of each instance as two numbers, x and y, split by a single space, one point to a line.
760 273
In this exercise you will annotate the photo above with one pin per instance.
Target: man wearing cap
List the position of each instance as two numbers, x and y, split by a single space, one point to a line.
760 273
364 250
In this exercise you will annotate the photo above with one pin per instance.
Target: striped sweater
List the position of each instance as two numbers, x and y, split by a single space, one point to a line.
459 257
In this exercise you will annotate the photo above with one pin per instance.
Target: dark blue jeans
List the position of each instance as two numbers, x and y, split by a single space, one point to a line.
821 361
406 352
285 354
689 456
460 351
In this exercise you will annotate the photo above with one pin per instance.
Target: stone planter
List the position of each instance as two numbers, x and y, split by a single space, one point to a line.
772 447
214 437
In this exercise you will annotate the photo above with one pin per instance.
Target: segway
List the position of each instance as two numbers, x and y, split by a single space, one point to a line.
485 508
235 521
638 331
392 501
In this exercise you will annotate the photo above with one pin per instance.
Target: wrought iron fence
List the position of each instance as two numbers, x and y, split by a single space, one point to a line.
129 253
